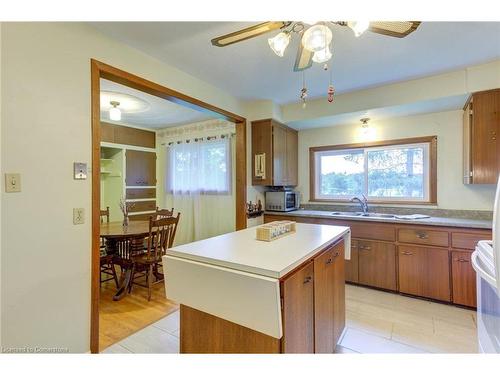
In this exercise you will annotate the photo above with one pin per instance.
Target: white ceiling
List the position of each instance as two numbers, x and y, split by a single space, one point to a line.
159 114
250 70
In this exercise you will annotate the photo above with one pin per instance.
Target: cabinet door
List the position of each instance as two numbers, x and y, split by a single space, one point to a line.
338 291
485 131
298 311
351 266
424 271
467 122
140 168
279 155
324 310
377 264
463 278
292 157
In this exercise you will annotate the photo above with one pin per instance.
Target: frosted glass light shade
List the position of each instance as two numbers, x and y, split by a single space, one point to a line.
279 43
322 56
359 27
115 114
317 38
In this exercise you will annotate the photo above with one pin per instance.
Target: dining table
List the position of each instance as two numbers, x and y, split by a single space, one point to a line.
123 242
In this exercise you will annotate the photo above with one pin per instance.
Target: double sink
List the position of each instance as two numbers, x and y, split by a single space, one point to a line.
362 214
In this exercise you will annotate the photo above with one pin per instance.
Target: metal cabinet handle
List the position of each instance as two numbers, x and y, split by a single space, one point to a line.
462 260
406 253
365 248
336 254
307 279
329 261
422 235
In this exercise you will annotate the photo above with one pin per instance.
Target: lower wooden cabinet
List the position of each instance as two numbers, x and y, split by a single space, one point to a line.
463 278
377 264
314 304
298 311
329 299
424 272
351 265
421 260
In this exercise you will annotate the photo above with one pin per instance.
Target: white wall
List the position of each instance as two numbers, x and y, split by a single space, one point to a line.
452 194
45 260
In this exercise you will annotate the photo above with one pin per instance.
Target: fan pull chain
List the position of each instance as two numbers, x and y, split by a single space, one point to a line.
303 91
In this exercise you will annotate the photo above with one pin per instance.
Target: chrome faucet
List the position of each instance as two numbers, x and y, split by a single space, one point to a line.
362 202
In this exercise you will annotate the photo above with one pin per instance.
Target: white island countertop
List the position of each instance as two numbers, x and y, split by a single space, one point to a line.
241 250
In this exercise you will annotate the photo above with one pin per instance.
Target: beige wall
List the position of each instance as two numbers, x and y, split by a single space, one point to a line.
452 194
45 259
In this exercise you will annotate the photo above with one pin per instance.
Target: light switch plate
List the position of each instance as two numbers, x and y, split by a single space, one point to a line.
80 171
78 216
12 182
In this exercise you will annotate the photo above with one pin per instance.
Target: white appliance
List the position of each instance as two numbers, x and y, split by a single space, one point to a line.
486 263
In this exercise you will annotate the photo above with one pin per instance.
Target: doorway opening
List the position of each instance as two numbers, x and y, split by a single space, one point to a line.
113 153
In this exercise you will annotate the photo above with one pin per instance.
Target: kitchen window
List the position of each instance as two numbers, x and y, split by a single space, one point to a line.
398 171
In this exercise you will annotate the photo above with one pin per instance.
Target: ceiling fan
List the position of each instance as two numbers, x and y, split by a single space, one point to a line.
315 37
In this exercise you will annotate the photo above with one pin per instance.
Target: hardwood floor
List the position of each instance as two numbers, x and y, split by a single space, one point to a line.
120 319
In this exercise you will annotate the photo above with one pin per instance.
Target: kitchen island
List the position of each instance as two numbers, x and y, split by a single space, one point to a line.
240 295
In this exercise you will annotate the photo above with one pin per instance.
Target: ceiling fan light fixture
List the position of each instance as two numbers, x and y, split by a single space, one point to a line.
322 56
279 43
358 27
114 112
317 38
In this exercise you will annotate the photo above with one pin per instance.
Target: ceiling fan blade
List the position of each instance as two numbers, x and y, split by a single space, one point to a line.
395 29
303 60
247 33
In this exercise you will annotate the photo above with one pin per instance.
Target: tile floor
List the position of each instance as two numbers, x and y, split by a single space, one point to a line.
376 322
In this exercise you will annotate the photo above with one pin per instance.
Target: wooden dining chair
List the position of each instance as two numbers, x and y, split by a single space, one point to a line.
108 271
161 237
163 213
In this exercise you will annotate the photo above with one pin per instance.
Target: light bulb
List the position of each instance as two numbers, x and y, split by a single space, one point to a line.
279 43
359 27
114 113
322 56
317 38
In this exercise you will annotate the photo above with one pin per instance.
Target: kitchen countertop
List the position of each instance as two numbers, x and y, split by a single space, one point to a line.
437 221
242 252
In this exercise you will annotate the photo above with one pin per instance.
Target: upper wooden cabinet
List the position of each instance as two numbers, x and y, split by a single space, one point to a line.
481 131
274 154
127 136
140 168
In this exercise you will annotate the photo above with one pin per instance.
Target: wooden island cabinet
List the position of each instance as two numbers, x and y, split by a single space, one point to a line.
225 309
420 260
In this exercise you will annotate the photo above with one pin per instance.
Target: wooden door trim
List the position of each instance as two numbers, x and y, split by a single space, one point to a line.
100 70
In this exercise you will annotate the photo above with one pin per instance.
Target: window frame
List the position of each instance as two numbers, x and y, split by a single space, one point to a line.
431 185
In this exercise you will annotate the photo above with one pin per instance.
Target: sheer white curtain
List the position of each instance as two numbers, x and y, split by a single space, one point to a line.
199 180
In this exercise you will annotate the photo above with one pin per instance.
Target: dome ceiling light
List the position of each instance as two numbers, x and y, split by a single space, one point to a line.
118 103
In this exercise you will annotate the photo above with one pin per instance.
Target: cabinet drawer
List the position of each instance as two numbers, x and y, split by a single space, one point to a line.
141 193
371 231
423 236
143 206
468 240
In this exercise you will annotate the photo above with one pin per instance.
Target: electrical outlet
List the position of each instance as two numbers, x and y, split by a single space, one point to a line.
78 216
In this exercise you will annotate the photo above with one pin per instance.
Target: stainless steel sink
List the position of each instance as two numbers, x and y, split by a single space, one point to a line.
361 214
347 213
375 214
